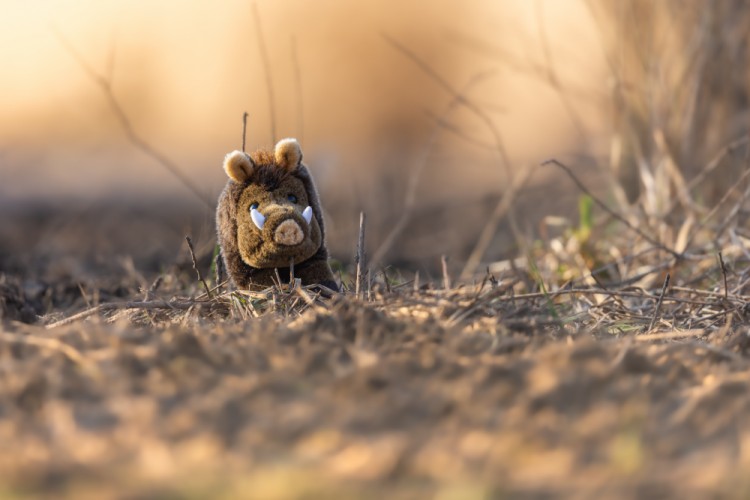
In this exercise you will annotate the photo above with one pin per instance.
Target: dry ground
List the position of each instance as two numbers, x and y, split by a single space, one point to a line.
528 382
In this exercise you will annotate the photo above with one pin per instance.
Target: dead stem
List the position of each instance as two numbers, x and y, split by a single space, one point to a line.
470 105
416 172
298 90
550 74
724 275
244 129
105 84
658 304
446 276
710 167
360 259
266 70
195 265
611 212
460 98
504 205
114 306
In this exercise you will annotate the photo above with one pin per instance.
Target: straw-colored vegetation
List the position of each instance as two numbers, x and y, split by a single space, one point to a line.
607 358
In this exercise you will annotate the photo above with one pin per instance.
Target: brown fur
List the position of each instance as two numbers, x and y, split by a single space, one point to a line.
251 255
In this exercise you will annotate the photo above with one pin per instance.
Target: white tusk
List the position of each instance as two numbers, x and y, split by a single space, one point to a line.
258 218
307 214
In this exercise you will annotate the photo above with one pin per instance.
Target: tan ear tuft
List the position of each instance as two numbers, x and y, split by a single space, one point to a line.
288 154
238 166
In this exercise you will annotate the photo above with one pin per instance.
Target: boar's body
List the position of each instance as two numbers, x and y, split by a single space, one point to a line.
269 220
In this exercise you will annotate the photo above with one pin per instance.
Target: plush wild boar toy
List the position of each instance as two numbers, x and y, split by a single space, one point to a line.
269 218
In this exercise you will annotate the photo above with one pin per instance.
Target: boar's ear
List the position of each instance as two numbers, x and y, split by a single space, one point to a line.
288 154
238 166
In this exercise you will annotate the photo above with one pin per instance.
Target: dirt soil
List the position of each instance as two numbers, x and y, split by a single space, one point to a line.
427 393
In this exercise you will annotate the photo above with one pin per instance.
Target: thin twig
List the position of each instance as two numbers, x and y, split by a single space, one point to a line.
658 303
360 257
724 275
611 212
277 281
114 306
458 132
302 293
526 68
266 70
638 277
484 117
149 293
106 86
203 296
551 74
446 276
504 205
298 87
728 218
244 129
195 265
413 184
458 96
711 166
84 294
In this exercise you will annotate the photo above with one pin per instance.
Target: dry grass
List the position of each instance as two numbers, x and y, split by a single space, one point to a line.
571 370
679 93
609 358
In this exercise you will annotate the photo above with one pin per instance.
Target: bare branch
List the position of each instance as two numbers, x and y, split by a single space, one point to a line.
551 73
195 265
106 86
361 258
658 304
446 276
611 212
504 205
724 275
266 70
411 189
244 129
470 105
459 97
298 86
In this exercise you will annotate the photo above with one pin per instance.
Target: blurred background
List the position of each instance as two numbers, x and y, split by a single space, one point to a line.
423 114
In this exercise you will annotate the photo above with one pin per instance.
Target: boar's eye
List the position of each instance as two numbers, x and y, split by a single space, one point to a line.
292 198
254 206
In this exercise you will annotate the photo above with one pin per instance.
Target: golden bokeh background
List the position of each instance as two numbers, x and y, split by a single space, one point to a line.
367 114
